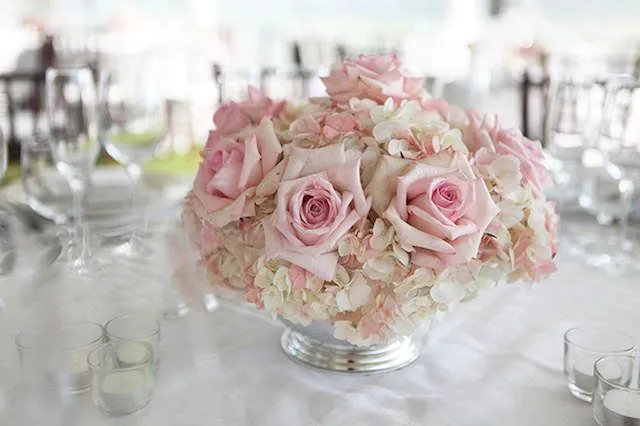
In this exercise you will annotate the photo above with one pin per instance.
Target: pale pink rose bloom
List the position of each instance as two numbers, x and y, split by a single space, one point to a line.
441 212
259 106
375 77
319 199
534 171
230 119
231 167
234 117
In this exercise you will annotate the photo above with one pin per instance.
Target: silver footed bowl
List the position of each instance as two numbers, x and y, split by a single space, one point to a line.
315 346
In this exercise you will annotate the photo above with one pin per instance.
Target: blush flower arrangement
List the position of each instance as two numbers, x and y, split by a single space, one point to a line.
371 209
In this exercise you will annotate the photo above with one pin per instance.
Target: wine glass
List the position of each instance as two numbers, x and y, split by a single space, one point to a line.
5 243
133 124
4 153
623 164
574 116
71 106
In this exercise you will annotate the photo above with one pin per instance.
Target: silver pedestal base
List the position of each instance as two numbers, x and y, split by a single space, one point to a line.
342 357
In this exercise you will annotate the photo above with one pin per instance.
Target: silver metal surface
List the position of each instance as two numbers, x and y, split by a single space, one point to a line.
315 347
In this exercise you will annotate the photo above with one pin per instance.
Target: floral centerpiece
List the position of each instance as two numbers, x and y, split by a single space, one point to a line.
370 209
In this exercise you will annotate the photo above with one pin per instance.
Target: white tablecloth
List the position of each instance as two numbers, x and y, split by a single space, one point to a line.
494 361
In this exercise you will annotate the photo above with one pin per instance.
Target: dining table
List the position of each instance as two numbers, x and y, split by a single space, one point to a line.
494 360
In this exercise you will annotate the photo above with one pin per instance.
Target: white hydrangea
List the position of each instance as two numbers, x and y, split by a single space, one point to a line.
388 119
354 294
447 294
382 235
452 138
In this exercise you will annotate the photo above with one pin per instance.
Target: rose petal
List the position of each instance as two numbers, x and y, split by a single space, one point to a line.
425 222
269 145
426 259
270 182
322 265
251 172
413 183
410 236
303 162
384 181
347 178
231 212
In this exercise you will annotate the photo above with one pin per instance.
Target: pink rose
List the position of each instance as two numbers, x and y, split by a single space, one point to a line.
441 212
234 117
373 77
230 168
230 119
259 106
531 158
319 199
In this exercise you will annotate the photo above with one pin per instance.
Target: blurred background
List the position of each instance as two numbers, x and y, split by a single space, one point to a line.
474 52
544 66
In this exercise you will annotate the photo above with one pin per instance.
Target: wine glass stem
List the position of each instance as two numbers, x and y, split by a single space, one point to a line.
627 190
135 173
82 233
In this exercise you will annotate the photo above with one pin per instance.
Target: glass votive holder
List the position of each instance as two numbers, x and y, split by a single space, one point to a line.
120 388
616 396
583 346
56 357
131 331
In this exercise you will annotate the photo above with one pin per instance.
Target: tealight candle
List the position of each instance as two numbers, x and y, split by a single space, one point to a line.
74 375
123 391
122 376
131 353
621 408
57 356
582 347
583 373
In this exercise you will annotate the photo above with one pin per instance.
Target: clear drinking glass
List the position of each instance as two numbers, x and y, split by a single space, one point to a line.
133 124
120 386
71 107
616 395
57 356
582 348
134 330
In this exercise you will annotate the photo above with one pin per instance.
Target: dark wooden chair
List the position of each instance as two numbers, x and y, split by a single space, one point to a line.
534 101
33 103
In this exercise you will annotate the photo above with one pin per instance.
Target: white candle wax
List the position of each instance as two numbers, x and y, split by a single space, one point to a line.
621 408
131 353
123 391
71 373
583 373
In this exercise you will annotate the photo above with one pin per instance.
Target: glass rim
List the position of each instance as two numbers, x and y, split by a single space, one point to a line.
66 70
151 319
601 378
568 340
39 332
146 361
